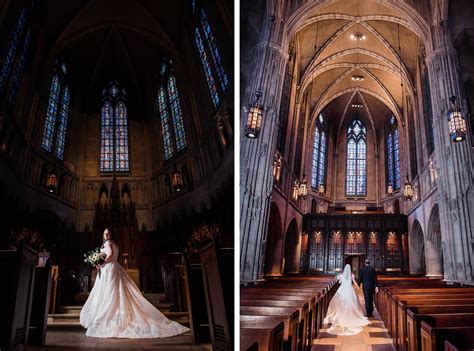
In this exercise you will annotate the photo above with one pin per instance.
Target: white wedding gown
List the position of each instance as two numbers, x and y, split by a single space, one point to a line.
345 312
117 309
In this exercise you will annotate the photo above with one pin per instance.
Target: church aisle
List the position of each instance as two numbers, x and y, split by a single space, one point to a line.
374 337
77 341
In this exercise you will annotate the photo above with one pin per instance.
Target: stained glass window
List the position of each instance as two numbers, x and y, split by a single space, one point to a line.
215 53
393 154
428 112
55 126
12 50
211 59
207 69
356 159
318 169
171 116
20 68
114 152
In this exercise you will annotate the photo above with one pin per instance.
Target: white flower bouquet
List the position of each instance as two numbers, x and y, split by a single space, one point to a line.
95 258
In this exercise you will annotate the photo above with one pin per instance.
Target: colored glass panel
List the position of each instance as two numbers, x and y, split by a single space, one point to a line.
207 68
165 125
215 53
10 58
20 68
315 163
121 138
107 139
180 137
63 117
356 160
50 123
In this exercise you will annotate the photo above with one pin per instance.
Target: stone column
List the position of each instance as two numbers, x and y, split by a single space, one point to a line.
453 159
256 155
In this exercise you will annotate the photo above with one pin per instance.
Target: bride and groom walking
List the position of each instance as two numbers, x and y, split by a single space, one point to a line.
345 311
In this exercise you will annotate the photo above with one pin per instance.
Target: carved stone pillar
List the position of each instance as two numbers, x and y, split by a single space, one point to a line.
256 181
454 161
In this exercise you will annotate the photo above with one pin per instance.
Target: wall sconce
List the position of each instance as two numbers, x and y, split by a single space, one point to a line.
254 118
456 122
408 190
177 180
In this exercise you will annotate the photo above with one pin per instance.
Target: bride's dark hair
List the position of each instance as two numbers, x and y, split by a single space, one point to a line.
109 234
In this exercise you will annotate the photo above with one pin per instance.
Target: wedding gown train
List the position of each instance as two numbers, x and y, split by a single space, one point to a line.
345 312
117 309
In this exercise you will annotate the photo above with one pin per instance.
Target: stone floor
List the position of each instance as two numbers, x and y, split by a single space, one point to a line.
77 341
374 337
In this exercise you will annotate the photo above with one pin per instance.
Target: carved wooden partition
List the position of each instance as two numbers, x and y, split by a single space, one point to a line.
196 301
17 288
219 309
41 298
333 237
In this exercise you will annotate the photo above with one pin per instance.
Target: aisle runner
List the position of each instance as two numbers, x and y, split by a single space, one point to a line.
373 337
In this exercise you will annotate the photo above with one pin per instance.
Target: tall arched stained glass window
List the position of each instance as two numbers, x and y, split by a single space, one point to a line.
14 63
211 59
356 159
114 153
393 154
55 127
318 165
171 116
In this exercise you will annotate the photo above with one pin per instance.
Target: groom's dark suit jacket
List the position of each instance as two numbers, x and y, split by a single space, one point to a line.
368 277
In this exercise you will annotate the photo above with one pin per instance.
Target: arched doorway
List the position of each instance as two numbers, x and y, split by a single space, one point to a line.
434 254
292 251
416 249
274 249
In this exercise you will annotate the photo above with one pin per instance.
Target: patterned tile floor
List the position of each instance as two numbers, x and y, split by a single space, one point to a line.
374 337
77 341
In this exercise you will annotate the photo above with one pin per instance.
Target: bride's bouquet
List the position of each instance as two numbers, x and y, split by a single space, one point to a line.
95 257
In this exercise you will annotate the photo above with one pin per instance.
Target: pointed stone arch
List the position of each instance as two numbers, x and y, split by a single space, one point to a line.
274 245
434 254
416 243
292 248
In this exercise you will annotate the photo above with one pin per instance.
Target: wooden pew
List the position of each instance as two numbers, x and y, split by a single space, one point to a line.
434 320
433 338
305 326
39 311
17 284
290 316
425 309
266 332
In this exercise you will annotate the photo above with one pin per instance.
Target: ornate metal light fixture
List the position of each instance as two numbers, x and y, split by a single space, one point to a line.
456 122
303 188
52 182
358 78
358 36
277 167
390 190
254 117
296 190
177 180
321 189
408 190
357 105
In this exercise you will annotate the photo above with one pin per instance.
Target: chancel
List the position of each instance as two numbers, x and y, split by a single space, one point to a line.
363 152
118 115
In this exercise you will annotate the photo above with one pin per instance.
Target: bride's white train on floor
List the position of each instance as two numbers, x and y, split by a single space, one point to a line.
117 309
345 312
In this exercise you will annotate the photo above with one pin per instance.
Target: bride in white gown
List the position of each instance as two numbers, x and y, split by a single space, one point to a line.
117 309
345 312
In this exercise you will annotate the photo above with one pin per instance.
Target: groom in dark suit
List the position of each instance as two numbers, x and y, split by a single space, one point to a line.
368 277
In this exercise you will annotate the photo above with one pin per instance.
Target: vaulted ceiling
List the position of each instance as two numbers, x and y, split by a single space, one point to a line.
357 52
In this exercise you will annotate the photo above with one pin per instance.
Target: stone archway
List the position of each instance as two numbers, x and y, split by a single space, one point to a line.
434 254
274 247
292 248
416 249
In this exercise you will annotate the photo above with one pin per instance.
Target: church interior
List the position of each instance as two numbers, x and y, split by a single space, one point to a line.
116 114
356 143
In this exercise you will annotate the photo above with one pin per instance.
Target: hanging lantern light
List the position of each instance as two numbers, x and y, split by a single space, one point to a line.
52 182
408 190
254 118
456 122
303 188
390 190
321 189
277 167
177 180
296 190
